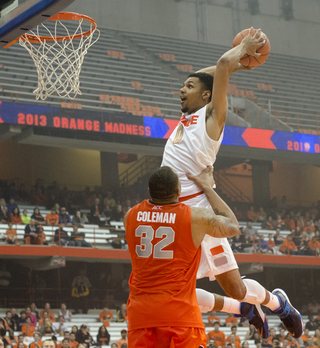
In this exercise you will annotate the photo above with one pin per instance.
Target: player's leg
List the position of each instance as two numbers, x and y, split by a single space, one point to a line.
250 291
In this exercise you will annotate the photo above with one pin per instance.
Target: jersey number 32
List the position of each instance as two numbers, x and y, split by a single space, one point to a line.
146 248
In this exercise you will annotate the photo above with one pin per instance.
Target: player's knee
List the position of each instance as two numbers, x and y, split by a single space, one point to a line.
236 291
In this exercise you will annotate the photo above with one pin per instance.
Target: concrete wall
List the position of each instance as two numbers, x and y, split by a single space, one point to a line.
298 37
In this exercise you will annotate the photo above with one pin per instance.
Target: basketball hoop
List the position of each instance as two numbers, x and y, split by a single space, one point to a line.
58 58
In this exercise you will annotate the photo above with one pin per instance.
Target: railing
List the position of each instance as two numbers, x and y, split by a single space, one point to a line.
140 168
229 188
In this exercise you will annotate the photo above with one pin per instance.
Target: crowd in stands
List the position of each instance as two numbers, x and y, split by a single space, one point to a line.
302 226
39 326
104 206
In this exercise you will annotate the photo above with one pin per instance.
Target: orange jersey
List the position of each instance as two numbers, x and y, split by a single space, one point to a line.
212 319
28 330
105 315
218 337
231 320
164 267
237 339
11 233
52 218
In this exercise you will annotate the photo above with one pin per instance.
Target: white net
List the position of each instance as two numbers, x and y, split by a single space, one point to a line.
58 63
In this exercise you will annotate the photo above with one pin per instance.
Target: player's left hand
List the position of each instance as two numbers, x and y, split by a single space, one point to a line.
204 180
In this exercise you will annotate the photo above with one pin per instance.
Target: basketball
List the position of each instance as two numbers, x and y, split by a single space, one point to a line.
250 60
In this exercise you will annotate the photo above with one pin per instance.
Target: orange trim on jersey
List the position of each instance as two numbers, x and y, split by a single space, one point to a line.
217 250
186 198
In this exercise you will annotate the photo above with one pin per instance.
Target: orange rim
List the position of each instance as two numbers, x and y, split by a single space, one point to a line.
69 16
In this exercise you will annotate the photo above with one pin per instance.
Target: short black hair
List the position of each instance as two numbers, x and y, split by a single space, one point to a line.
163 183
206 81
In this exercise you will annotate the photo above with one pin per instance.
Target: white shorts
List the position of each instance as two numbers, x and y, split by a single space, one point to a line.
216 254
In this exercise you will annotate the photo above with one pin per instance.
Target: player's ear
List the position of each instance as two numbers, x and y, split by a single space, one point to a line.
206 94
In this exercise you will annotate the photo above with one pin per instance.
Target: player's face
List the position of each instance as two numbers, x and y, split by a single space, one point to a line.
191 96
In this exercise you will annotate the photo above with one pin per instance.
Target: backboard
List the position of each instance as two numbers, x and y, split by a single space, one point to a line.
24 15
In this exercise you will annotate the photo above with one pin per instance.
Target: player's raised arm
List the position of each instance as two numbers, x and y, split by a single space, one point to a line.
221 222
229 61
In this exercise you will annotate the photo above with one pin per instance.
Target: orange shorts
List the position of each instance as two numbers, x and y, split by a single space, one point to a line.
167 337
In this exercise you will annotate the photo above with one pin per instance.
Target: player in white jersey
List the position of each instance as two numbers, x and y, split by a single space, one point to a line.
194 145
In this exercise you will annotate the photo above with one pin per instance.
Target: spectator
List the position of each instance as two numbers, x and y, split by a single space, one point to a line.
5 215
73 343
34 311
310 343
250 333
211 344
294 222
122 313
288 246
269 224
22 320
317 336
47 310
15 316
262 215
11 205
278 240
37 341
65 313
15 216
236 244
20 341
74 329
84 219
271 244
11 338
116 243
82 336
10 322
311 324
247 243
32 234
275 342
234 332
76 221
52 218
105 316
25 219
314 246
252 215
238 213
245 344
11 234
32 317
279 222
272 335
249 229
263 245
103 337
265 343
39 219
59 327
231 321
123 338
212 318
61 236
65 343
45 316
114 345
309 233
318 318
117 214
78 238
80 292
64 218
27 329
305 336
217 335
233 341
46 329
96 211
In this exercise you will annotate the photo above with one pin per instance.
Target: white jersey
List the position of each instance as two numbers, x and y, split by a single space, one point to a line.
190 149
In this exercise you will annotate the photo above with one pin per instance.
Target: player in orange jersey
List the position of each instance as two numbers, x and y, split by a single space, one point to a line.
164 238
